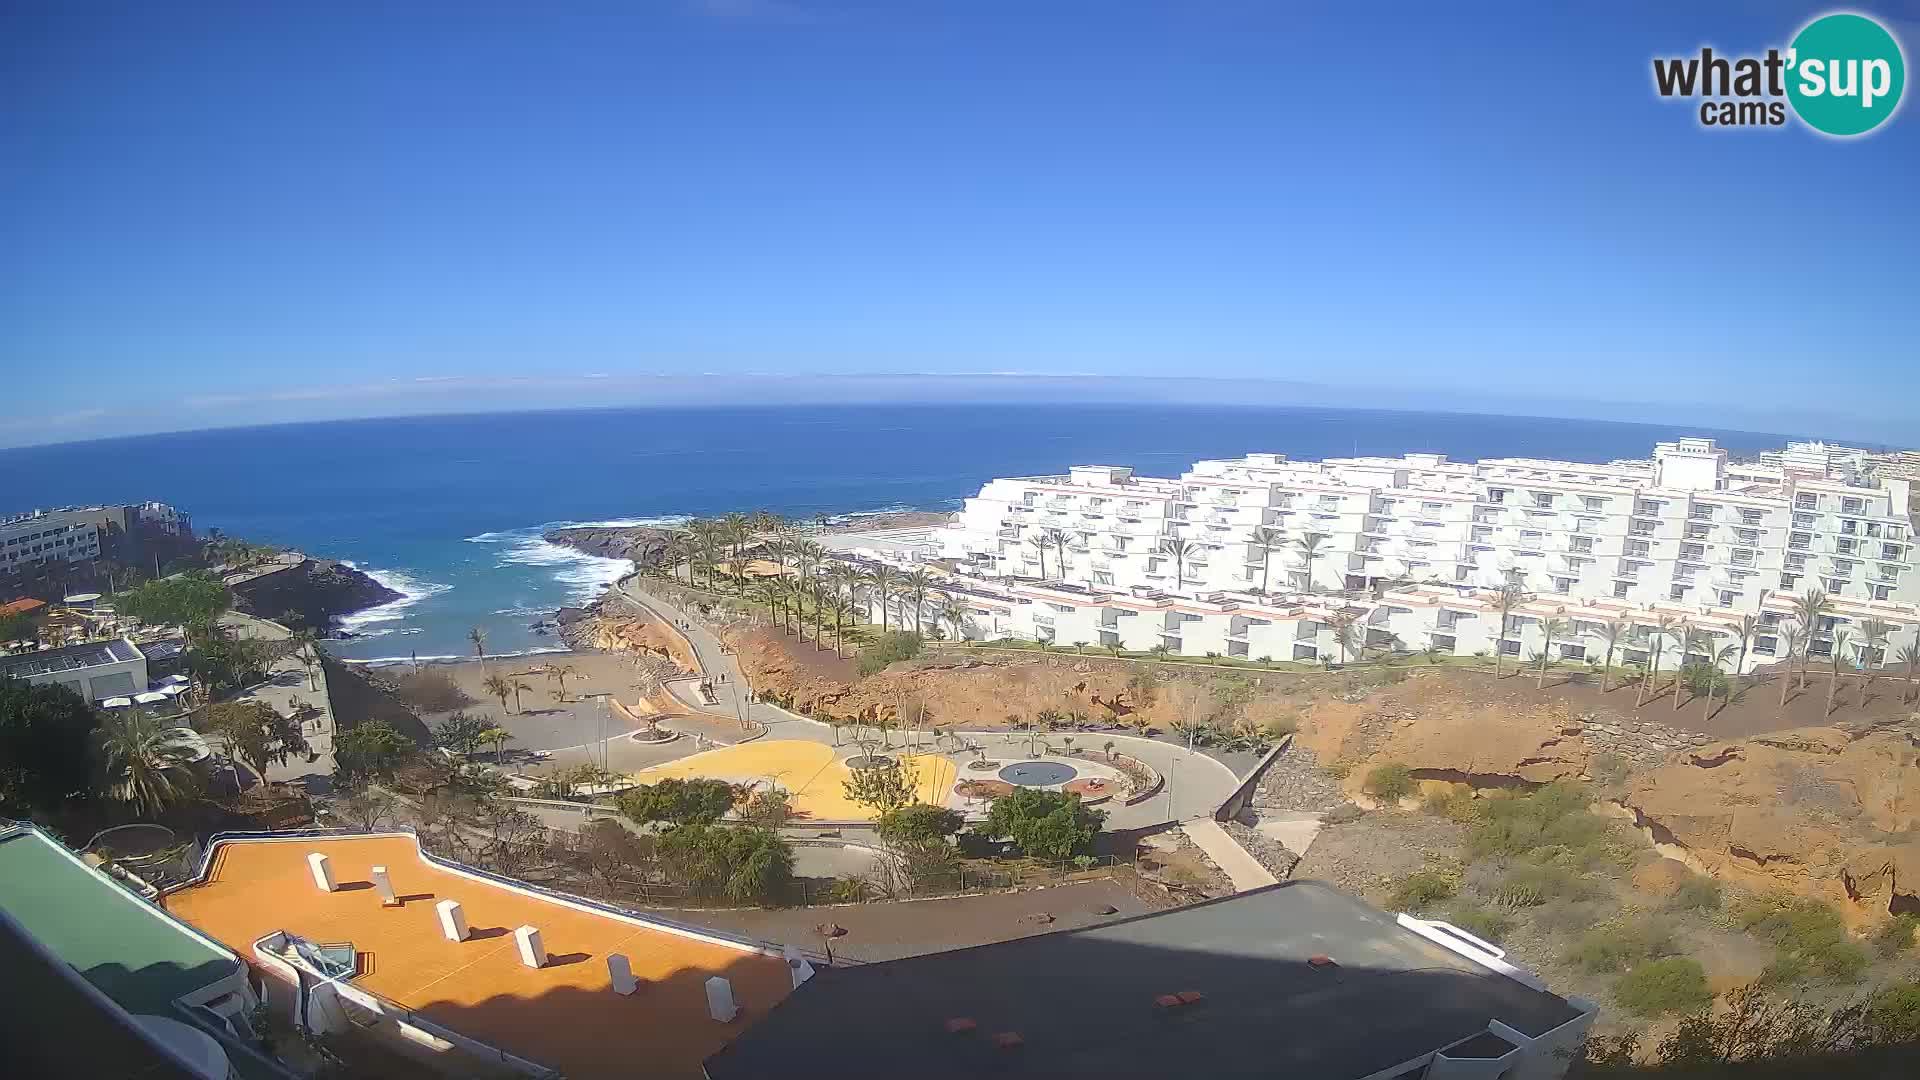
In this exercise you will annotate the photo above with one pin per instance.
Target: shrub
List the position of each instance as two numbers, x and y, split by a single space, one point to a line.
1553 816
1812 940
1422 889
917 823
1607 768
892 646
1697 893
1566 916
1531 886
1893 1014
1484 923
1658 987
1454 805
1389 782
1044 824
678 802
431 690
747 863
1897 935
1619 946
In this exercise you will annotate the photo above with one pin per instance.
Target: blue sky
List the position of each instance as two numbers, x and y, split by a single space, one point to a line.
222 214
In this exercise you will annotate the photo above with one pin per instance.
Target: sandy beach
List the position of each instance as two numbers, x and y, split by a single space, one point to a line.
542 720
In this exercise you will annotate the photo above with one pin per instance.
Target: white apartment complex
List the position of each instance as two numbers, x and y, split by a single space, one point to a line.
1413 546
46 535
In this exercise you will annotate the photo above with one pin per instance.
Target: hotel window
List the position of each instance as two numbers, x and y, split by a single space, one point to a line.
1678 592
1698 530
1562 585
1799 541
1796 562
1766 646
1890 551
1842 566
1595 503
1726 598
1835 585
1749 517
1583 543
1496 495
1543 500
1702 512
1844 546
1883 592
1806 502
1639 547
1851 506
1641 527
1873 529
1849 527
1805 521
1692 551
1748 536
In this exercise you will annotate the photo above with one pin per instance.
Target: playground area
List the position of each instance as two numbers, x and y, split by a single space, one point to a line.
815 773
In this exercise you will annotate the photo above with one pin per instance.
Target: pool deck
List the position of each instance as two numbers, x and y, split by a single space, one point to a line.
563 1015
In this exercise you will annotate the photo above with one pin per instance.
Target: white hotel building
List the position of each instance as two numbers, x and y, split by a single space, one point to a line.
1413 547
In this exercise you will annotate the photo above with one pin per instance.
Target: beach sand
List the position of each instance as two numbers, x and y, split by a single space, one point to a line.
543 721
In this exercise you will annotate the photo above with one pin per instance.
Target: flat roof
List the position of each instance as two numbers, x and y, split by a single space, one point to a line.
1084 1001
67 658
132 951
564 1016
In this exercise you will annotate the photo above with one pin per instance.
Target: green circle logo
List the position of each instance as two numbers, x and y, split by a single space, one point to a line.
1845 73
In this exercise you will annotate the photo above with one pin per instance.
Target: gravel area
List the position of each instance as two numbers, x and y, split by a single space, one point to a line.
1266 851
1295 781
1365 857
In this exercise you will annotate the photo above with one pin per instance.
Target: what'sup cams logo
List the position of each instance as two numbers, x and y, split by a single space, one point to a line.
1842 76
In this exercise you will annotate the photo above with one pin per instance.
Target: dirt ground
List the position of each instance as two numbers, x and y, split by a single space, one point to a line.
544 721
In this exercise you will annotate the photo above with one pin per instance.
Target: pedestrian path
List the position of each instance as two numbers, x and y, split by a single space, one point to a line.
1241 868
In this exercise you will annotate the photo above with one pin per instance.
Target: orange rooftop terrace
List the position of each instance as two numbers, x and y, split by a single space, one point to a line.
564 1015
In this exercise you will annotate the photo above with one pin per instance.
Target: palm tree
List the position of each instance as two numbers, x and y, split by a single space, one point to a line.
144 761
1177 548
955 611
498 686
882 577
1040 543
1508 598
821 598
1873 649
1549 629
479 639
1809 609
1689 639
773 593
1713 676
1309 548
1793 639
1748 629
1613 632
1909 655
498 737
1656 644
1841 638
558 673
780 551
518 689
1059 539
1345 633
841 578
843 612
1266 538
916 585
738 531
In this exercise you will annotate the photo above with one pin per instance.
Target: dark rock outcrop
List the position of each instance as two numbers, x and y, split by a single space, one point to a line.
316 590
644 545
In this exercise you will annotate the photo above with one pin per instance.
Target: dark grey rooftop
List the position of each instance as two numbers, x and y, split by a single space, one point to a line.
1084 1001
66 658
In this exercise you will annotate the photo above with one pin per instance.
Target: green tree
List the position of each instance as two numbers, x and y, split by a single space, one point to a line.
1656 637
893 645
518 687
918 823
1550 629
256 733
882 577
498 686
1808 610
1793 642
370 749
1308 547
479 639
192 597
1841 639
498 738
677 802
1668 985
1044 824
1266 538
144 761
746 863
956 610
1177 549
883 788
560 673
769 807
1039 542
1873 648
1505 601
1909 657
460 733
917 583
46 739
1613 632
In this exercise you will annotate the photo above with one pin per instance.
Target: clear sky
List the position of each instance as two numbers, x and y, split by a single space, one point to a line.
219 214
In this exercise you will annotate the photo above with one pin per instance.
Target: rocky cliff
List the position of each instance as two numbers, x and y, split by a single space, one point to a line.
645 546
317 590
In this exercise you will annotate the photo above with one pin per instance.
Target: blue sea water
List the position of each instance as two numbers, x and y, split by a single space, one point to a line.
449 509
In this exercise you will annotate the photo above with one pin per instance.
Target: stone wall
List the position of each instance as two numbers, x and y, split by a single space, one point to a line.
1644 744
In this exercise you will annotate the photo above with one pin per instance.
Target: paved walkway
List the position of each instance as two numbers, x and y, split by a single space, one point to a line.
1196 783
1241 868
287 687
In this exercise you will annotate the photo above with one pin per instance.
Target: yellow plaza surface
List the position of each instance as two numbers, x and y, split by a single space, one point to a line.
809 770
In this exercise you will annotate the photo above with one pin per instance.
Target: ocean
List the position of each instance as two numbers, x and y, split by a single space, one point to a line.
449 509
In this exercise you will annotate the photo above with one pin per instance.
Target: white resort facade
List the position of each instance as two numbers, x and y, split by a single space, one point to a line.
1416 549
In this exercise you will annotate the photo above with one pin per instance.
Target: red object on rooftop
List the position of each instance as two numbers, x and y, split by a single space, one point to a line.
1188 997
1321 960
1169 1001
1007 1040
21 606
960 1025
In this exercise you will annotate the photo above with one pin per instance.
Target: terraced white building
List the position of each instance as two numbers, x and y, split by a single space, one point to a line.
1218 560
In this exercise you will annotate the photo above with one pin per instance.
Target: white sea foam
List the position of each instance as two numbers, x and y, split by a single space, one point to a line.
585 576
664 521
411 589
382 660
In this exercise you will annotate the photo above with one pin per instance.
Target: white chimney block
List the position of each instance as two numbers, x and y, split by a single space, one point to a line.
453 920
720 1000
385 885
621 972
322 869
799 966
532 953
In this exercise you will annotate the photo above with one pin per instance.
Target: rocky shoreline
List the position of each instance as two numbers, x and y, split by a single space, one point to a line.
316 591
644 545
